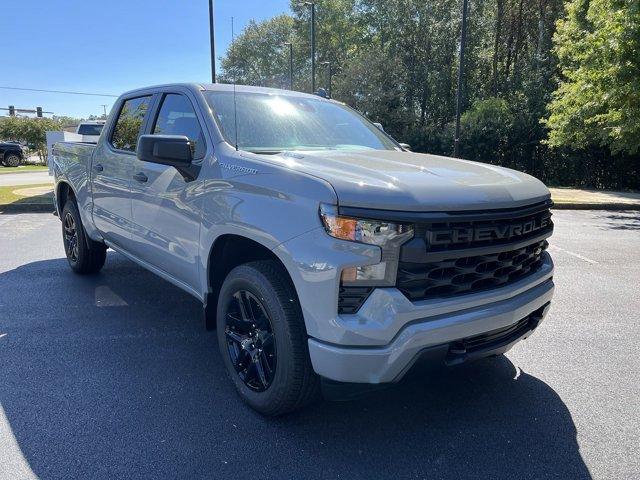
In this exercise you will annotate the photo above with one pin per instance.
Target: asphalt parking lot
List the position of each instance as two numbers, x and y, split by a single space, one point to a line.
113 376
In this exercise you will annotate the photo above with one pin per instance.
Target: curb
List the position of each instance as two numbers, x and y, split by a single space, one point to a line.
596 206
27 208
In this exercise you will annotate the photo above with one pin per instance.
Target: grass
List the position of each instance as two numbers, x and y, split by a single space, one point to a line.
23 169
7 195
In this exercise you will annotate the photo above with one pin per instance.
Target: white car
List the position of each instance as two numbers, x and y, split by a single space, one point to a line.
90 130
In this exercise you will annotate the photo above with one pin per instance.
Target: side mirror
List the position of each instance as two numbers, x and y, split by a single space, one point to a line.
173 150
379 125
405 146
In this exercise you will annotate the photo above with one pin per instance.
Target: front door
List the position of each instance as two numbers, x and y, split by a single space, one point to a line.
112 172
166 207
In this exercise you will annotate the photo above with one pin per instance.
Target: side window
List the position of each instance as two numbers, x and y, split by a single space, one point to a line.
177 117
129 124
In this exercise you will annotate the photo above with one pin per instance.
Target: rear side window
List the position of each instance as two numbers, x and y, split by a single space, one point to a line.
177 117
129 124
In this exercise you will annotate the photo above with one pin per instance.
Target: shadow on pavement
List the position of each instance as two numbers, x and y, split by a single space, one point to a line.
33 203
113 376
623 221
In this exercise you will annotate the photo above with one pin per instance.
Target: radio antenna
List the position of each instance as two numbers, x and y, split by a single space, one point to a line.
235 109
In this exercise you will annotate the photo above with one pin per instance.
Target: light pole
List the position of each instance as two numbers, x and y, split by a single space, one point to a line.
328 64
290 45
104 107
313 44
213 43
463 38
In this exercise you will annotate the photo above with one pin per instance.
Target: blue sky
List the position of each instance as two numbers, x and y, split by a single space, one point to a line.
112 46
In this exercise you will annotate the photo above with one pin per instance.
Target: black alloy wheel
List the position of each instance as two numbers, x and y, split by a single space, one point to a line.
250 341
83 254
262 339
71 237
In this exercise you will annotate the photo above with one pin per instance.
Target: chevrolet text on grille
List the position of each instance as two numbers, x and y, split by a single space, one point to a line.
491 232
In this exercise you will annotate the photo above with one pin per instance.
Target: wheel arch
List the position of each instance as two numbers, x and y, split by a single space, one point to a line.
64 191
227 252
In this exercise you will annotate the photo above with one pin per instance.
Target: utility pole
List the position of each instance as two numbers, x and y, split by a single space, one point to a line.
463 39
212 41
313 44
328 64
290 45
104 107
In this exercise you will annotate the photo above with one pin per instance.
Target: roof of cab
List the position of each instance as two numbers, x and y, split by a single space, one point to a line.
226 87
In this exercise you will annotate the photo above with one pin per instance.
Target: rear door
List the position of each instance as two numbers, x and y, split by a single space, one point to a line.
112 171
166 207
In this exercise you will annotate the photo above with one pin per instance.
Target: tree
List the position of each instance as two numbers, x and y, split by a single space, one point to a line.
257 57
32 131
486 129
598 100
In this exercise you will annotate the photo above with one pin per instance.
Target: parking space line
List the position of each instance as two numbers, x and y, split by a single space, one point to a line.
573 254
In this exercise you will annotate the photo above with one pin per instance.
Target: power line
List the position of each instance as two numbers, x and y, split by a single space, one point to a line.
59 91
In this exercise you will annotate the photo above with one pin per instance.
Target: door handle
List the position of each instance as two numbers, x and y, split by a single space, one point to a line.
98 168
140 177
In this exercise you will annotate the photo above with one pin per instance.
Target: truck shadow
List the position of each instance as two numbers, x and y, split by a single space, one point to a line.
113 376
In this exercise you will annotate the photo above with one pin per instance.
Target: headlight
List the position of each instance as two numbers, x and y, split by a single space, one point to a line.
386 235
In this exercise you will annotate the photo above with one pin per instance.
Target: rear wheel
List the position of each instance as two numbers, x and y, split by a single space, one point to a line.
12 160
83 254
262 339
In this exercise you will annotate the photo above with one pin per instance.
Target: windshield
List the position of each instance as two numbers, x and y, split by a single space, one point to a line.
90 129
272 123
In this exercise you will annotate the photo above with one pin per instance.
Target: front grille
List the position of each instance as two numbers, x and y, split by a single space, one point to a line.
454 254
452 276
459 253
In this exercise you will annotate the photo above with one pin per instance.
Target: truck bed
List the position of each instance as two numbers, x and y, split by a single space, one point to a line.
72 162
72 158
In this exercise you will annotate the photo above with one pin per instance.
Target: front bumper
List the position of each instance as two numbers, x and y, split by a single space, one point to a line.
379 342
437 338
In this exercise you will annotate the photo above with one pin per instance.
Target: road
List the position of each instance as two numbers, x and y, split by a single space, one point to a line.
25 178
113 377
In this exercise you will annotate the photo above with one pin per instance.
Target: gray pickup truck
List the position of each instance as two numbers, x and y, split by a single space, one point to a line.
323 252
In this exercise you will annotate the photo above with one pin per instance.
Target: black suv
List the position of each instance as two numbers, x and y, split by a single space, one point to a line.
11 154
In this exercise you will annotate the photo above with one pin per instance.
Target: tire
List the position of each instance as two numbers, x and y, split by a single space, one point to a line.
84 255
288 381
12 160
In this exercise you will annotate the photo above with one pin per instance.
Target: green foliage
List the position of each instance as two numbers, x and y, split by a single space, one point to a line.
486 129
598 100
32 131
257 57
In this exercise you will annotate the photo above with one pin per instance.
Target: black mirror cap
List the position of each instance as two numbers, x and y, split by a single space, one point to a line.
174 150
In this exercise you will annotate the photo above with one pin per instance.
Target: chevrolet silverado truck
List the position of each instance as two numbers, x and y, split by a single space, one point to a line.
322 251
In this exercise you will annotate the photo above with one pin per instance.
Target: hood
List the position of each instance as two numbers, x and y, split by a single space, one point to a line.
407 181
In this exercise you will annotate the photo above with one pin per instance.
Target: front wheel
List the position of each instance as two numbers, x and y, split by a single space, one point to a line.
12 160
263 341
83 254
